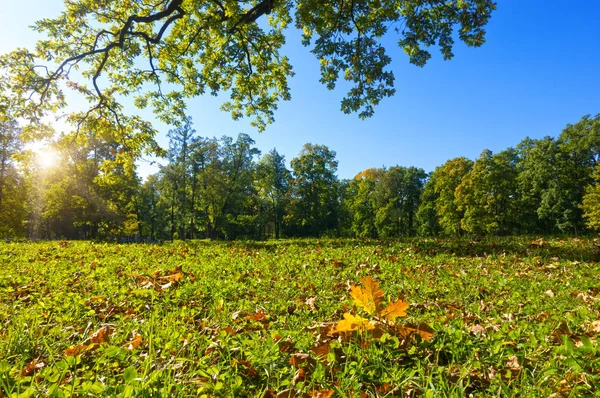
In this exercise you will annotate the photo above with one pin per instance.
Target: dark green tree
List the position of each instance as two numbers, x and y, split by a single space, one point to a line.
273 183
314 192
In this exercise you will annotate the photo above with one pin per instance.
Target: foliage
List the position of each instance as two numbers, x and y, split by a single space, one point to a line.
259 319
591 202
196 47
13 189
314 191
487 194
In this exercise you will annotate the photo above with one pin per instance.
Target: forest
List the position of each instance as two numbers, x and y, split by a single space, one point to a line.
224 188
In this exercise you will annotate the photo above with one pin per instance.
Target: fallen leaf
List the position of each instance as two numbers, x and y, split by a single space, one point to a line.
351 323
31 367
100 336
477 329
513 363
299 358
369 296
291 393
136 340
394 310
312 303
321 393
299 376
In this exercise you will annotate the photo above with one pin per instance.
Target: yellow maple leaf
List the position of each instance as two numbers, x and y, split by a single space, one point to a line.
394 310
351 323
370 296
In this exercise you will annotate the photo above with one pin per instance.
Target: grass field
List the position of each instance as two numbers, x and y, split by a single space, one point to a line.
501 317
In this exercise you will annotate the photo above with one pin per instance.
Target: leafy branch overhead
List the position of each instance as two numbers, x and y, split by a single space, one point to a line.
166 51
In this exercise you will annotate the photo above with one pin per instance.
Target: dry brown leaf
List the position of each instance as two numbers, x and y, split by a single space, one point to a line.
31 367
299 376
100 336
477 329
173 278
73 351
407 331
291 393
321 393
513 363
312 303
321 351
299 358
260 316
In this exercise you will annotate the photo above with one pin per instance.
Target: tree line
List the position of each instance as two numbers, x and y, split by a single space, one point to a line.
222 188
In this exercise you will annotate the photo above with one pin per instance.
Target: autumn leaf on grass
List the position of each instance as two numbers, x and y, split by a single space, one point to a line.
100 336
369 296
173 278
32 367
394 310
408 332
351 323
135 342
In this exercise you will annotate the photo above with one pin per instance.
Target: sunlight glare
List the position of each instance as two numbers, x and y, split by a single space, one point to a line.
45 157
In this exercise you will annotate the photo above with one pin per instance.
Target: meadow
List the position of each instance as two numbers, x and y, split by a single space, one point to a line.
301 318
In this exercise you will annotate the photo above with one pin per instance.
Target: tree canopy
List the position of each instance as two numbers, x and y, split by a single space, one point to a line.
165 51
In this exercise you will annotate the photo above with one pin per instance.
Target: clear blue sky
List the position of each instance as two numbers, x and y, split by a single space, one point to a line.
538 71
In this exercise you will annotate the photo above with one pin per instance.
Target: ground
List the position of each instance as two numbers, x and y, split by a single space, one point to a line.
495 317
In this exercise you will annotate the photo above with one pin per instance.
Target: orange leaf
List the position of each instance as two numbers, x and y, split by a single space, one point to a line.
369 296
73 351
173 278
321 393
136 340
100 336
351 323
32 367
394 310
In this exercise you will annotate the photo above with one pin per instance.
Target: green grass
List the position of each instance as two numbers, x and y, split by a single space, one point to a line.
512 317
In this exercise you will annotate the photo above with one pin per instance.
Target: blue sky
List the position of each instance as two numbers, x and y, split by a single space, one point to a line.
538 71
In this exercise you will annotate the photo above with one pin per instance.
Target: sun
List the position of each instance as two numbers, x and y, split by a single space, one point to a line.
45 157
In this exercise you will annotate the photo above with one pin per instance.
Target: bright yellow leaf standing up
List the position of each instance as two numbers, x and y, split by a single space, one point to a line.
370 297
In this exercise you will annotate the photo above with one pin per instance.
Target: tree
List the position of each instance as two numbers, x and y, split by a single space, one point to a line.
488 195
427 216
439 198
273 181
591 202
142 48
180 144
314 191
362 204
396 200
12 185
554 174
